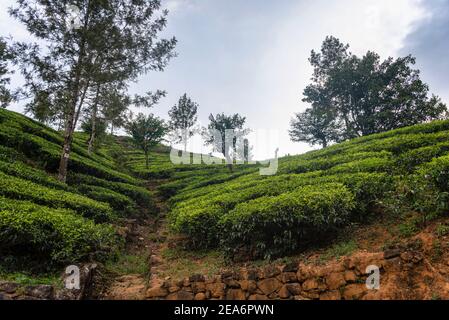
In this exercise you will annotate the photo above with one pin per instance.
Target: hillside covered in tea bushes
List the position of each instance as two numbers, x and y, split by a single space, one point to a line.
314 195
311 198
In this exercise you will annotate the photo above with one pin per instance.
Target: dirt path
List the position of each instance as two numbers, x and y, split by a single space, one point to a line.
145 238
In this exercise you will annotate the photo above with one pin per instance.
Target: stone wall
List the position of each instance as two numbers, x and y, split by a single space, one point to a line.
342 280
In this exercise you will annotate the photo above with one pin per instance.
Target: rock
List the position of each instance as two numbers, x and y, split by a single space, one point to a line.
186 282
284 293
254 274
258 297
331 295
4 297
40 291
299 297
310 284
181 295
290 267
287 277
231 283
197 278
200 296
391 253
269 286
335 280
311 295
305 272
235 294
156 292
9 287
350 276
155 260
198 287
216 289
354 291
172 289
271 271
248 285
294 288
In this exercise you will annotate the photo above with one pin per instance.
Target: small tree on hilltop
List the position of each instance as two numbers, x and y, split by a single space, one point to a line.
183 118
147 132
215 134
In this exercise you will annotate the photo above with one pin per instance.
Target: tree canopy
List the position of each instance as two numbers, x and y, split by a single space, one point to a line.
147 132
112 43
353 96
183 117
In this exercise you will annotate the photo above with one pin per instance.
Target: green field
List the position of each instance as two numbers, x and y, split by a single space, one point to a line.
312 196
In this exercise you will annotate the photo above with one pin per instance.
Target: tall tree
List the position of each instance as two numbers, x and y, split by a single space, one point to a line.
361 96
314 126
6 55
183 118
223 134
147 132
117 36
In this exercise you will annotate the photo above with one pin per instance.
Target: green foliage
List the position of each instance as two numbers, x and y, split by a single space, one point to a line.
17 188
121 204
354 96
270 226
139 194
61 235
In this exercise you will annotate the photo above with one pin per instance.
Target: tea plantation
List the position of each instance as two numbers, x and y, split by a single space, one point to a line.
315 194
46 220
312 196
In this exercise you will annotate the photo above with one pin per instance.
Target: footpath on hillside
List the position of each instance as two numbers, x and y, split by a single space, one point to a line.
412 268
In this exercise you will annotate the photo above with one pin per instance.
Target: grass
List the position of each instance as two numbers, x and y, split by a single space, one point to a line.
27 279
128 264
182 263
338 250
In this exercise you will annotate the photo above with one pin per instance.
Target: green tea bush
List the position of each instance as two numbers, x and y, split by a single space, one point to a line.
139 194
121 204
16 188
271 226
57 234
21 170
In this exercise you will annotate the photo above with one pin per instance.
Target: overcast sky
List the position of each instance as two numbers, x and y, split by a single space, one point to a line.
250 56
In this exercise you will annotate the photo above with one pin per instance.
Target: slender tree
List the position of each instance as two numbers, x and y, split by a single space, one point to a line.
218 134
183 118
147 132
117 37
6 56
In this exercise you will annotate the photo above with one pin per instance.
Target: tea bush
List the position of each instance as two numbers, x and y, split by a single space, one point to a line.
57 234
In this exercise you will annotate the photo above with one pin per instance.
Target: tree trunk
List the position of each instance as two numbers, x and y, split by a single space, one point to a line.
94 122
68 137
71 121
146 159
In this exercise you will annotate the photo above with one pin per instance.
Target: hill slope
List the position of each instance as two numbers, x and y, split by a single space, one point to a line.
317 193
312 198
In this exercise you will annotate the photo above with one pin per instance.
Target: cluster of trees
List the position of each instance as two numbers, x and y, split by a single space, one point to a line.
85 60
79 72
353 96
148 131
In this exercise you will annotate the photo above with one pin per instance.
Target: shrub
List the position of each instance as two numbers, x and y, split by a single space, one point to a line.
270 226
139 194
21 170
58 234
17 188
120 203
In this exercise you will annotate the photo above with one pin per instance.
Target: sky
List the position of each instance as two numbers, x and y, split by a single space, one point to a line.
251 56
